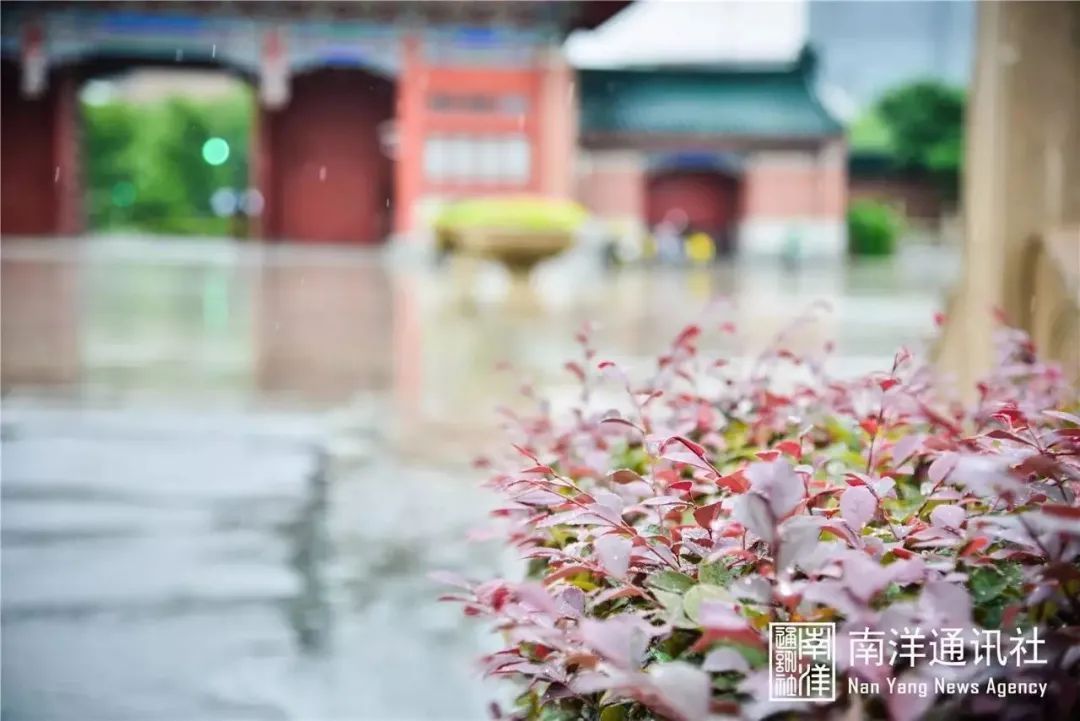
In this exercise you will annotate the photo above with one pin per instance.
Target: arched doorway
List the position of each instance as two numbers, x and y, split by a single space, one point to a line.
165 150
115 143
317 163
707 200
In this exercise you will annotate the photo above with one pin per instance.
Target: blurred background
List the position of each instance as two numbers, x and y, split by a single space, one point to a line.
268 268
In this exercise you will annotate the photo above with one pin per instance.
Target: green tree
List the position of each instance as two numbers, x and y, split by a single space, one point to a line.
144 165
925 124
110 174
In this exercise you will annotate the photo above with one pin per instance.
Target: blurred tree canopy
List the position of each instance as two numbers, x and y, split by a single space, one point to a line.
144 167
921 126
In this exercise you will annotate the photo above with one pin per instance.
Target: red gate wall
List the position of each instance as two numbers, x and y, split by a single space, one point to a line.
319 162
709 199
39 160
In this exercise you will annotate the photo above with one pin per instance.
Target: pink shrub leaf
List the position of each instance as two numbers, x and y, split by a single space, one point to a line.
614 554
660 547
622 640
752 511
777 482
906 447
682 688
1063 416
857 506
942 466
948 516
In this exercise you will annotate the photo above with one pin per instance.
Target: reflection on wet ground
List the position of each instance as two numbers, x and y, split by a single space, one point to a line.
228 469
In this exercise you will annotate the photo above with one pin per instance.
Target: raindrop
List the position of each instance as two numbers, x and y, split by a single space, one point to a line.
322 173
179 55
213 51
56 175
388 202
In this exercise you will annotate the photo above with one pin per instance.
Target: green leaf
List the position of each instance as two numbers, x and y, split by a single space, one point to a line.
987 583
715 573
672 602
614 713
670 581
557 712
754 656
661 656
703 592
727 682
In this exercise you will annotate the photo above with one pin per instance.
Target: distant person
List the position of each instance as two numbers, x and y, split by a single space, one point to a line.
791 253
668 234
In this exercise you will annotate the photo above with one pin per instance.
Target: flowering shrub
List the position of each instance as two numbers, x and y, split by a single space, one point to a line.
663 539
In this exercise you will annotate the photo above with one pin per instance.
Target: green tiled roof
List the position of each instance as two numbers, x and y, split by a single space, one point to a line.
698 101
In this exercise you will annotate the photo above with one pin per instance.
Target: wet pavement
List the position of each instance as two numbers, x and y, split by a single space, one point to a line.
227 470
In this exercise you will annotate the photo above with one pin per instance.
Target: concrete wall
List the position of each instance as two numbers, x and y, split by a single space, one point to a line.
791 197
611 184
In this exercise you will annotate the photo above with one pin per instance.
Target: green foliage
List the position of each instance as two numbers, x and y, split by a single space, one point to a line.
144 168
873 228
715 572
994 587
925 124
870 133
671 581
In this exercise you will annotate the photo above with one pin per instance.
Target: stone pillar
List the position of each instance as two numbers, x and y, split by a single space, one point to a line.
39 157
558 124
67 141
1022 178
408 168
260 172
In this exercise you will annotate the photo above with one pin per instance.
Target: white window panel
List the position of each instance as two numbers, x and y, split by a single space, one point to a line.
435 158
485 159
490 152
517 159
460 166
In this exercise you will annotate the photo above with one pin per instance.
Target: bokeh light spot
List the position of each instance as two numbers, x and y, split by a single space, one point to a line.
215 151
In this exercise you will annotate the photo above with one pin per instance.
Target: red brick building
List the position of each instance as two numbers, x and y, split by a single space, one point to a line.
745 153
370 114
367 111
